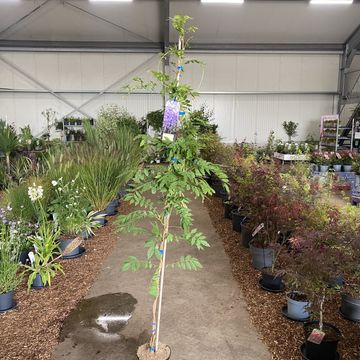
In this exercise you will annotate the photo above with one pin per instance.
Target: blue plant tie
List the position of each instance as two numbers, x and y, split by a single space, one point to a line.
161 252
174 160
181 113
152 349
180 67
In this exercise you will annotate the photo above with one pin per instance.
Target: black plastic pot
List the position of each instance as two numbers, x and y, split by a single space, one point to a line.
102 221
350 308
237 219
114 203
228 208
327 349
64 243
7 301
271 281
337 282
219 189
38 283
86 235
246 235
111 210
24 257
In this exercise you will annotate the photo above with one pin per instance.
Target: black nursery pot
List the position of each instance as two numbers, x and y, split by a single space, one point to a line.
228 208
7 301
271 281
24 257
350 307
246 234
38 283
327 349
237 219
86 235
102 221
63 245
111 210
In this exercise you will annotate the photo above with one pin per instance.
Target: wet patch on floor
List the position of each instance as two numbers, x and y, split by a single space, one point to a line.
94 329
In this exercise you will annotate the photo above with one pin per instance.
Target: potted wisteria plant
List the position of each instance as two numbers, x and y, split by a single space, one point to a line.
163 192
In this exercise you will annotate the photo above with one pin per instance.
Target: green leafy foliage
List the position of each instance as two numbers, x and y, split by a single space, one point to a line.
9 256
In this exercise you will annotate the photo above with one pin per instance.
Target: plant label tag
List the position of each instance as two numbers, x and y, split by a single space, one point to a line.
167 136
351 156
31 257
316 336
326 156
72 246
257 229
338 155
35 248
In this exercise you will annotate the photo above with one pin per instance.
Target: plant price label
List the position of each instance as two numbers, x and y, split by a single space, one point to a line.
316 336
31 257
338 155
257 229
326 156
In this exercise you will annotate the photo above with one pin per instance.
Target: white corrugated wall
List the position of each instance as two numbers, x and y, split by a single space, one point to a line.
248 116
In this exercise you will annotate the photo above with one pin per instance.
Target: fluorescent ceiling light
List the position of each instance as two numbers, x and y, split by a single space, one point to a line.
222 1
331 2
110 0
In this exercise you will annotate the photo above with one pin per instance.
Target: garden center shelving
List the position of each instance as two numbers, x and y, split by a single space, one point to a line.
331 134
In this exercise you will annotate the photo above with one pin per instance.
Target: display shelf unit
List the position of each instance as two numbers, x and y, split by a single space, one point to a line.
331 134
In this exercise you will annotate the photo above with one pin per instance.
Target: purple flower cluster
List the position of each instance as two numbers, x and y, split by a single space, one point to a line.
171 115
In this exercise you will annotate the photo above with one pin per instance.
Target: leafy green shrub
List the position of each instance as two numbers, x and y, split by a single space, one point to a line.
106 164
22 208
112 117
8 142
18 199
203 119
155 119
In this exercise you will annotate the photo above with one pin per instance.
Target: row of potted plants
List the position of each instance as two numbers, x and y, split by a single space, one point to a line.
58 203
58 234
298 241
338 161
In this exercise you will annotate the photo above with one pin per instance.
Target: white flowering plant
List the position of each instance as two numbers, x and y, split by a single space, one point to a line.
293 148
70 208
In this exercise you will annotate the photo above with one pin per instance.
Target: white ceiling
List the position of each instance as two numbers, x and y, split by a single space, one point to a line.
271 22
264 22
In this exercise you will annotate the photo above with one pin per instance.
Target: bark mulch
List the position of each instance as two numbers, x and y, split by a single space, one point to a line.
32 329
282 336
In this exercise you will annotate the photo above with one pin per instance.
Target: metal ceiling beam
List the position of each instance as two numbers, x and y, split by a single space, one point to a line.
132 72
118 26
79 46
26 16
351 48
40 84
151 47
266 47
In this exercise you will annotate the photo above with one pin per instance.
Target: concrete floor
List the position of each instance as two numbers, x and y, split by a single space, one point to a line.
204 315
